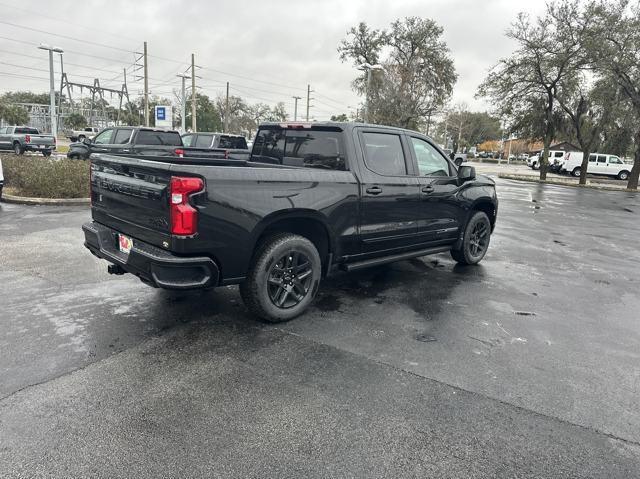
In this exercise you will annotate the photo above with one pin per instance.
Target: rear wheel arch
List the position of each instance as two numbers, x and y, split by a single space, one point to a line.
306 223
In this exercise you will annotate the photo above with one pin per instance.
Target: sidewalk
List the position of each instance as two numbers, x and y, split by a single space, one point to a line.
524 173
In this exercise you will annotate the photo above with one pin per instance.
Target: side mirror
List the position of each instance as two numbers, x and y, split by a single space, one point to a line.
466 173
87 141
458 161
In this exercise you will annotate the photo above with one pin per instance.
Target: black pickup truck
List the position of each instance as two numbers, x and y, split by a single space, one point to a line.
129 140
311 199
215 145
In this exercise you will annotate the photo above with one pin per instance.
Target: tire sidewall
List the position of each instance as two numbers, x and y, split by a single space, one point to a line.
576 172
478 216
623 175
263 268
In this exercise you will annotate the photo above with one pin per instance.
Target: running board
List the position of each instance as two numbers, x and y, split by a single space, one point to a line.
395 257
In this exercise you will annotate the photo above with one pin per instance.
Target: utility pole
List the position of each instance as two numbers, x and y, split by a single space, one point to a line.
309 91
295 108
226 111
183 114
193 93
146 87
52 89
60 96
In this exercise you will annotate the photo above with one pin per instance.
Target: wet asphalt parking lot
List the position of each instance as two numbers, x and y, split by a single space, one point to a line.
527 365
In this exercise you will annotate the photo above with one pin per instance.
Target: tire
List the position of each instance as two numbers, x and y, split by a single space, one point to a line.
535 166
623 175
81 138
17 149
0 192
473 247
576 171
46 153
268 291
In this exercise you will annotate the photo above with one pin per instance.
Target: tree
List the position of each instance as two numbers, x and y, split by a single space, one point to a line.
590 110
340 117
75 121
14 114
207 114
614 45
468 128
549 53
418 73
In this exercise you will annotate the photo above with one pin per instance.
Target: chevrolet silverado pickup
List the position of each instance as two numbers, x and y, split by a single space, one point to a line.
128 140
311 199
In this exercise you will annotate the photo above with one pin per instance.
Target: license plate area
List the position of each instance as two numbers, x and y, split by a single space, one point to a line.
124 244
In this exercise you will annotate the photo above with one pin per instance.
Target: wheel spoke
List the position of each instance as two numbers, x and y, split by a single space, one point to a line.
301 267
281 297
304 274
276 281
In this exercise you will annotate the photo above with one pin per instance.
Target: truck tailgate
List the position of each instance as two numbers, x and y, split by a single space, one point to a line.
41 140
131 196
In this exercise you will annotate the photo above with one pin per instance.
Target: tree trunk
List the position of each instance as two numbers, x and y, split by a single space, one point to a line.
635 171
586 153
548 136
544 161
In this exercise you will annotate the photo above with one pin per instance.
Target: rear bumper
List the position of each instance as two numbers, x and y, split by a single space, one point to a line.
153 265
36 147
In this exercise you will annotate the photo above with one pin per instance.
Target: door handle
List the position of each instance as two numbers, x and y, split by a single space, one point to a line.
427 189
374 190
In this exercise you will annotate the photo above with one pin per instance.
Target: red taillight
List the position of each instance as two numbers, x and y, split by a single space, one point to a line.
179 152
184 217
27 138
226 154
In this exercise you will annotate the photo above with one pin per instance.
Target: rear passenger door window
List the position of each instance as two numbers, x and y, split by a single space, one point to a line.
383 154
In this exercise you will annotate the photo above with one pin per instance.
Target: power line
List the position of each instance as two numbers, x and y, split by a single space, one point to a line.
65 36
92 29
22 55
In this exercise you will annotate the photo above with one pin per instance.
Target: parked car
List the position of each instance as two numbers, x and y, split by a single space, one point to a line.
24 138
80 135
1 179
599 164
313 198
129 140
215 145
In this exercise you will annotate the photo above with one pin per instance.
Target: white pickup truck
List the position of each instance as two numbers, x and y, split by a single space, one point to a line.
599 164
79 135
555 158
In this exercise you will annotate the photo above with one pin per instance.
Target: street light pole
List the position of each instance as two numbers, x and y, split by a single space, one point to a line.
295 107
183 114
52 90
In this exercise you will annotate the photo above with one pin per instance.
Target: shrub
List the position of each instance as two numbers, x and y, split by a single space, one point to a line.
47 178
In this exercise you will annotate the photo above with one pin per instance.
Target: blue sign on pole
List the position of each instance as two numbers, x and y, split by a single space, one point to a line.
160 113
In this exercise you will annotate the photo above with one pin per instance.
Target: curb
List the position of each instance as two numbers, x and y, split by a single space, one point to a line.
531 179
24 200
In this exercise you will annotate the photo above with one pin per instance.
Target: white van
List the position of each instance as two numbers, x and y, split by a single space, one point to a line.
599 164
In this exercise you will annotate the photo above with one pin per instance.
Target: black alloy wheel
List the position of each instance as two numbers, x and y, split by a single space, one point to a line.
290 279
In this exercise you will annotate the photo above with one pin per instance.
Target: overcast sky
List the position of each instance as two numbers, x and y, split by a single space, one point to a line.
268 50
